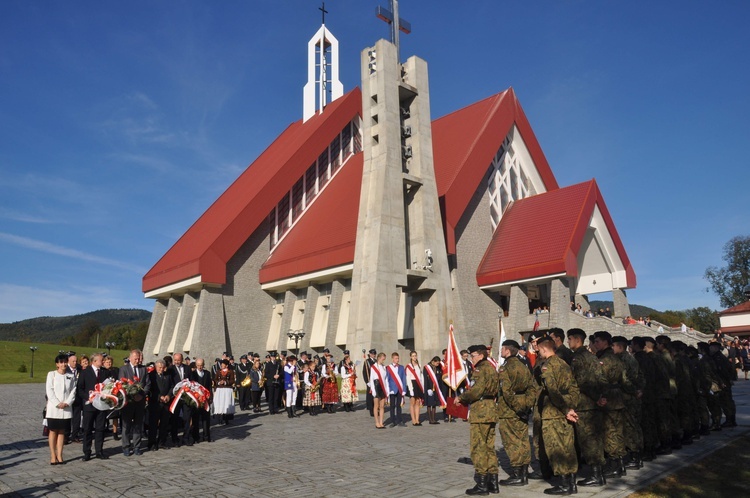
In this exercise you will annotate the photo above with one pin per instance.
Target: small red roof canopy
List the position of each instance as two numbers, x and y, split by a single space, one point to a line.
541 235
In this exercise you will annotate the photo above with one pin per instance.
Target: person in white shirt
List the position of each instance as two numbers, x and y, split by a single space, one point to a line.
415 385
379 388
61 392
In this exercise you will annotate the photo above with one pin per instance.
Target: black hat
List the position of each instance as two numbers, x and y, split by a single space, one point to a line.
346 352
256 355
224 353
511 343
650 339
534 336
603 335
478 348
283 353
217 360
243 357
620 340
249 354
373 351
326 350
577 333
231 357
268 355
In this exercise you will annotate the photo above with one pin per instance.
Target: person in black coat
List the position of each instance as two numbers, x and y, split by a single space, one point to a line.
160 396
274 380
201 417
93 420
183 413
366 370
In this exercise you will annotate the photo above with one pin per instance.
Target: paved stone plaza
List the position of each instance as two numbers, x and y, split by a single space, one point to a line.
261 455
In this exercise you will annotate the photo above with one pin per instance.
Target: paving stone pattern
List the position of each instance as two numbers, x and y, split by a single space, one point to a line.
334 455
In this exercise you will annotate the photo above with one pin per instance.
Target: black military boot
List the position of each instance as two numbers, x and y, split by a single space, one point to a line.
566 487
480 489
516 477
612 469
596 479
703 431
492 484
636 461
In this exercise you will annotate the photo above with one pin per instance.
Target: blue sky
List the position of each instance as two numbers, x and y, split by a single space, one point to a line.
121 122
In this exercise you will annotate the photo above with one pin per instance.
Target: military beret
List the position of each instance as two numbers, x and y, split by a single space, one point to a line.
603 335
620 339
326 350
577 333
346 351
478 348
511 343
650 339
535 336
373 351
243 357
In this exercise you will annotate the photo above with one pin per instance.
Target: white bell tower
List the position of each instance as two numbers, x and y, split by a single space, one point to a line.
323 85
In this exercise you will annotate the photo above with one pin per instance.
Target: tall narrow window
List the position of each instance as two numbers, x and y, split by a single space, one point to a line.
323 169
310 185
297 191
335 153
283 214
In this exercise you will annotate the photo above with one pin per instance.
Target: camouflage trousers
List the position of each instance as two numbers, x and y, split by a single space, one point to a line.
648 426
726 401
703 416
664 422
714 408
482 443
558 442
589 432
614 441
687 409
514 434
632 432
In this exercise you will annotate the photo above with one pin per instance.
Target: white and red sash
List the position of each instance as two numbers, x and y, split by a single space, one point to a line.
380 378
492 361
394 373
435 386
416 377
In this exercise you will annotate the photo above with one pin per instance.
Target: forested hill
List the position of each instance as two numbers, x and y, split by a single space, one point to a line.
54 329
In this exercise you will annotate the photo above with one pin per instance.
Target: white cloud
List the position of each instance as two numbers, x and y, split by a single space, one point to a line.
43 246
9 214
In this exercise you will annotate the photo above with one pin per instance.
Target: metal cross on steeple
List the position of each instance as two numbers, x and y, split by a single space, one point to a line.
323 12
396 22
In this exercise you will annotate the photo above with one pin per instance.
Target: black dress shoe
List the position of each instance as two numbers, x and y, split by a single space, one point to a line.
102 456
86 458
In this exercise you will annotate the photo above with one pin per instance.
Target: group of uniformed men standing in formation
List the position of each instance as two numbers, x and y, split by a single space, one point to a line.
612 404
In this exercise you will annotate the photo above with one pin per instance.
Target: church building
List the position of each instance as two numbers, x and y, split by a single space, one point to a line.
369 224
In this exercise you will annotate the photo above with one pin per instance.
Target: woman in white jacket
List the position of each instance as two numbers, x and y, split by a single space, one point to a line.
61 391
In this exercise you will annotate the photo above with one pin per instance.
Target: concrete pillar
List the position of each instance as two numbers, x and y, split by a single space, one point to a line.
583 301
621 306
210 337
158 316
559 304
518 312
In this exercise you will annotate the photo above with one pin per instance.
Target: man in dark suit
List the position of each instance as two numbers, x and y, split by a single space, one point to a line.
180 419
134 413
73 434
201 417
93 419
274 380
160 396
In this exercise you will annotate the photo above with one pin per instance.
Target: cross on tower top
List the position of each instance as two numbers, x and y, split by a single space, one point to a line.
323 12
397 23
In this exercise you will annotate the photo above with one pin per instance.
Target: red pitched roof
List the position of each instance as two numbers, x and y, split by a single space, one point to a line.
464 144
740 308
325 235
542 234
216 236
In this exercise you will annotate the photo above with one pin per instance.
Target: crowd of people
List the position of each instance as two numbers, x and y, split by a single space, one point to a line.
603 403
608 403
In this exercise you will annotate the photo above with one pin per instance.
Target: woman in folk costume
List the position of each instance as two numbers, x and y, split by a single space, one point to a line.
291 381
433 395
348 382
379 389
415 387
312 399
224 393
330 387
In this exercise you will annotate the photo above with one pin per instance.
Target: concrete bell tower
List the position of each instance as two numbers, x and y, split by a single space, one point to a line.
401 291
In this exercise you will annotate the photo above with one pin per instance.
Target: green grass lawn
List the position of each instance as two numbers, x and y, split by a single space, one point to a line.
13 354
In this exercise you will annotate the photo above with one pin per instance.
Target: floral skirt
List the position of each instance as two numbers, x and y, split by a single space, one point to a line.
348 394
330 392
223 401
311 399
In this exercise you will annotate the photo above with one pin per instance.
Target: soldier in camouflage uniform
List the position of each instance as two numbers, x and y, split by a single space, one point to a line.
482 418
687 403
590 426
648 399
514 403
702 420
632 392
558 397
662 347
711 384
728 374
614 406
558 335
663 392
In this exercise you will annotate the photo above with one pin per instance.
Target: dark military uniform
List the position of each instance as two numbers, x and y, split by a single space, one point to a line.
663 393
482 417
517 387
686 404
590 426
647 369
558 394
565 353
614 417
727 374
674 421
711 383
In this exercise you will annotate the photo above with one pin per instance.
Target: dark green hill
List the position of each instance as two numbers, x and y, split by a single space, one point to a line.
51 329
